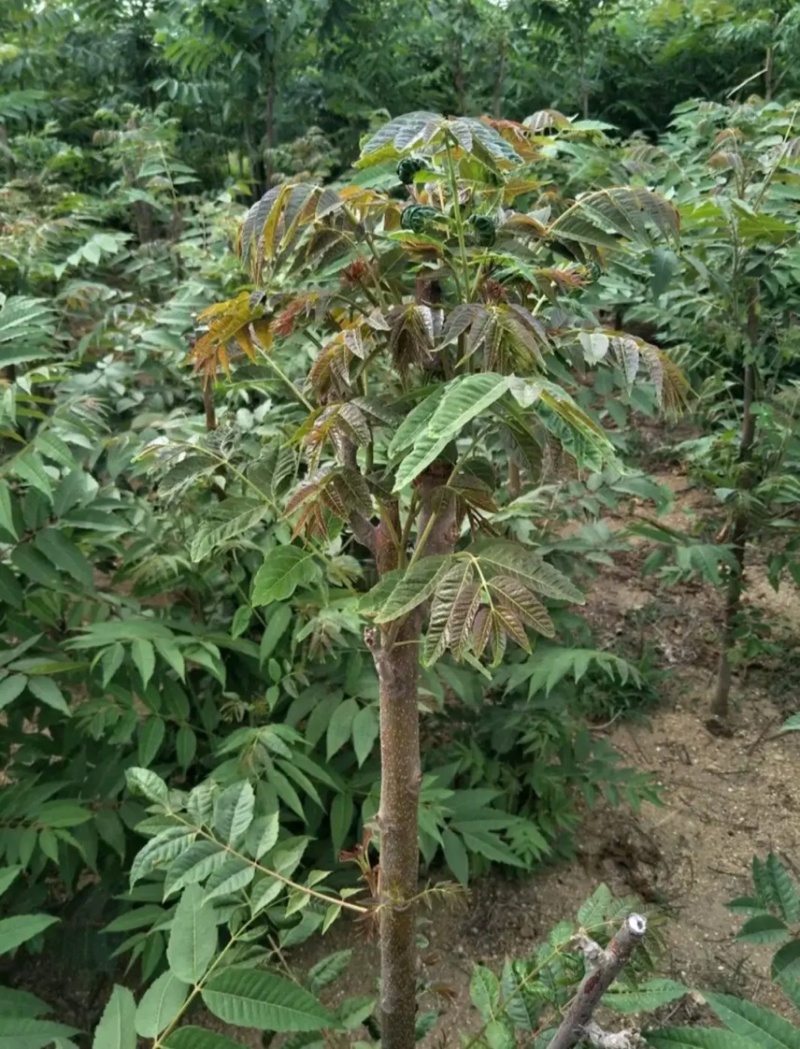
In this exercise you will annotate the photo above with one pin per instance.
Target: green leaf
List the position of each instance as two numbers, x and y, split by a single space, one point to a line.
279 619
7 511
60 814
151 735
26 1032
252 998
763 928
340 726
7 876
464 399
234 874
484 991
116 1029
415 586
161 1003
48 692
783 889
20 928
762 1026
233 813
144 659
786 963
697 1038
65 555
342 813
263 834
647 996
185 746
455 855
148 783
160 851
194 865
328 970
36 567
365 732
198 1038
11 687
193 937
284 569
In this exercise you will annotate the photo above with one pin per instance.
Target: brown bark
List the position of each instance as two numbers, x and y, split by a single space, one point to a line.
604 967
720 702
398 674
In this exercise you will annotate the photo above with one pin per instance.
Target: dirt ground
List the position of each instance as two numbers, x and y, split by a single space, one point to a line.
724 799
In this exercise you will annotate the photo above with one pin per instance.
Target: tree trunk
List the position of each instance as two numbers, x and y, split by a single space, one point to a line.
397 663
720 703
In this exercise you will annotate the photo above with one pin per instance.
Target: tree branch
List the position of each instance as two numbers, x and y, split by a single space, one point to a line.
604 967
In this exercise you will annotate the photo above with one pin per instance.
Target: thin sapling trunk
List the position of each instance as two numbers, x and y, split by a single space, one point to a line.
720 703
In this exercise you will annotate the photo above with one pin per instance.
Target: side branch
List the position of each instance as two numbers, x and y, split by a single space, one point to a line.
605 966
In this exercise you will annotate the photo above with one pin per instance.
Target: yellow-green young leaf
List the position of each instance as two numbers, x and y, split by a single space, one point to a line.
250 998
284 569
415 586
117 1029
151 735
198 1038
11 687
233 813
144 658
20 928
340 726
65 555
48 692
193 936
365 732
161 1003
465 398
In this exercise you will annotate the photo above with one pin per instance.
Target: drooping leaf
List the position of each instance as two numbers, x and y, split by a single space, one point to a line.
193 936
117 1029
160 1005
